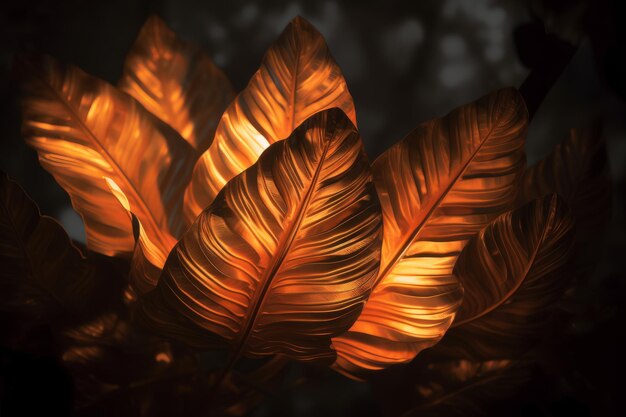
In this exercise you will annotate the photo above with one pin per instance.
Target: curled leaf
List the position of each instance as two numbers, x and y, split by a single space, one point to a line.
286 255
438 187
177 82
148 258
297 79
84 129
513 273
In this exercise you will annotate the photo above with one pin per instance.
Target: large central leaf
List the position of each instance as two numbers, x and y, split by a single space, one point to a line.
297 79
286 255
438 186
83 130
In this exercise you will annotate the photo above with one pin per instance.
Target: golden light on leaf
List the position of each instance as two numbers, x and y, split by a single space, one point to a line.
286 255
176 82
297 79
438 187
84 130
147 258
513 272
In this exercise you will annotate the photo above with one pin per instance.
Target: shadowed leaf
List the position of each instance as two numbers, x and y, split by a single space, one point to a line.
577 170
513 274
43 276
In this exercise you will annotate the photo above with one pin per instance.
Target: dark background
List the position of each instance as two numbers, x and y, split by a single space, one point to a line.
404 62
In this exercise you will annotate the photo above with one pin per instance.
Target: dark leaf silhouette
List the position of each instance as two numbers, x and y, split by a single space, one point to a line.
43 275
177 82
466 388
513 273
577 170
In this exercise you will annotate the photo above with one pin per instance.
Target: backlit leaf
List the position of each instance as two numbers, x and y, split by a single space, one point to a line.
84 130
177 82
286 255
513 274
438 187
297 79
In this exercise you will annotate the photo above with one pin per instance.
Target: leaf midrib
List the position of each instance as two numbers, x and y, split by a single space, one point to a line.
282 249
416 231
294 84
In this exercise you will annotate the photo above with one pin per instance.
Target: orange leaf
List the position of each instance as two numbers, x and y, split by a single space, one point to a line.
148 258
84 129
177 82
513 273
286 255
438 187
297 79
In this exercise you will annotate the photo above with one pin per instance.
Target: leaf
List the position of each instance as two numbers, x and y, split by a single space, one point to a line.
297 79
155 375
84 129
577 170
438 187
147 259
465 388
286 255
43 276
94 346
177 82
513 274
94 351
